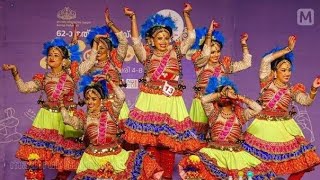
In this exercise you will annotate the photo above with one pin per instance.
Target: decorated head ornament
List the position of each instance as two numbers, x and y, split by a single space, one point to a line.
215 83
274 64
71 52
157 23
200 40
87 82
218 37
103 30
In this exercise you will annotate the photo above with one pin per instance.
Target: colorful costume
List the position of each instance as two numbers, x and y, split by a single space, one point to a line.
160 118
224 155
104 158
274 136
113 65
49 139
204 71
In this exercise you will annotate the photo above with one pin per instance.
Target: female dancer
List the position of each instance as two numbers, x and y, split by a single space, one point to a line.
274 136
104 158
206 56
160 119
224 156
49 141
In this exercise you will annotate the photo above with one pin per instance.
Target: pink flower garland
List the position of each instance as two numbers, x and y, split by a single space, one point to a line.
106 68
227 128
160 69
217 71
276 98
59 87
102 129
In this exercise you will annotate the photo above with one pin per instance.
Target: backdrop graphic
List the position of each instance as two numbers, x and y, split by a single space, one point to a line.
26 25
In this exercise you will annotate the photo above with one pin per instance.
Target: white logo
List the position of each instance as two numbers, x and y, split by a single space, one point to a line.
132 83
8 127
66 14
177 19
305 17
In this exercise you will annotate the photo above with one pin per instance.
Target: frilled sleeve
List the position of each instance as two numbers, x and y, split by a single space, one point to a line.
31 86
300 96
76 119
245 63
265 74
187 43
85 66
139 50
122 47
200 58
118 101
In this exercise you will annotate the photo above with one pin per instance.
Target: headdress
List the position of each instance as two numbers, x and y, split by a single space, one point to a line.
289 56
88 82
214 84
74 53
103 30
157 21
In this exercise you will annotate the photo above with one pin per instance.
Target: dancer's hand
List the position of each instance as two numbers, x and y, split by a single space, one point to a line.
292 41
187 8
8 67
213 26
128 12
75 34
316 82
244 38
107 15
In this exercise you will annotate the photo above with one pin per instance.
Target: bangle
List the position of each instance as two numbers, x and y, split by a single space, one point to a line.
288 49
133 14
97 39
14 73
313 90
110 23
186 13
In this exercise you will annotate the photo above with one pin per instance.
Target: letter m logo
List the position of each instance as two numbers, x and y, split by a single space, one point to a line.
305 17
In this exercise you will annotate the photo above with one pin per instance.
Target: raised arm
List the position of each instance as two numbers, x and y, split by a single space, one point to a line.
206 102
265 67
119 99
24 87
202 59
303 98
247 57
187 43
138 48
253 107
75 121
123 42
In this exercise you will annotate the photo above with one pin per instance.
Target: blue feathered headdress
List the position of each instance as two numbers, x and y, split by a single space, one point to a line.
157 20
289 56
88 81
218 36
214 83
102 30
73 50
201 37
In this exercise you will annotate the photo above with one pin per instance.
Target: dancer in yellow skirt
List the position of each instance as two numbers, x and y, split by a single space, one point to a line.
49 141
112 51
205 53
160 119
104 158
224 155
274 136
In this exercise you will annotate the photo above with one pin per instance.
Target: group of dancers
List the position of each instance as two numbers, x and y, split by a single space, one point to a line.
101 142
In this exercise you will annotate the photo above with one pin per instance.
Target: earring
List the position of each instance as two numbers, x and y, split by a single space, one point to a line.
152 43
